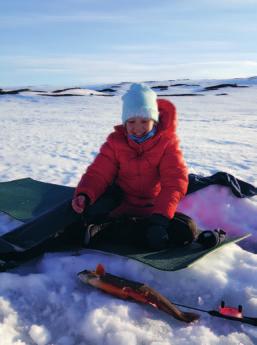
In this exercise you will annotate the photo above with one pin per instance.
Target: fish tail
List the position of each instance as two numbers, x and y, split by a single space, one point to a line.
190 317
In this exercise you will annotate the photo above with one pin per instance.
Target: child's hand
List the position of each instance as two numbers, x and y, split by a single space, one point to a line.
79 203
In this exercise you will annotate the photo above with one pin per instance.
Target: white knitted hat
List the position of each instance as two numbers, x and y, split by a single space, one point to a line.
140 101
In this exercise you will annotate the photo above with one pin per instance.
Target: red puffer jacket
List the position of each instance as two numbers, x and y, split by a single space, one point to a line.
153 174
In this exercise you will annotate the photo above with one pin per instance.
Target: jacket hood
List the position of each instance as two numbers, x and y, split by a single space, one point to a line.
167 117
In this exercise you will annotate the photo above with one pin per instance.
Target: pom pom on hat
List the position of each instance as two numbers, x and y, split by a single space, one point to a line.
140 101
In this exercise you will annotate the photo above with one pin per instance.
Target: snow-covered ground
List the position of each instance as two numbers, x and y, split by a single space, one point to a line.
53 139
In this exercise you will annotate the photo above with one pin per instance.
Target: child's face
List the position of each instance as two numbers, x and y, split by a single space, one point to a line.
139 126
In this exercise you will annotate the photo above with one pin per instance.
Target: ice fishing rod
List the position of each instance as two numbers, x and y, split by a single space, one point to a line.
225 312
141 293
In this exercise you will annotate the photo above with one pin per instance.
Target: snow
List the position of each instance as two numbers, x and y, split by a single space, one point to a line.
53 139
39 334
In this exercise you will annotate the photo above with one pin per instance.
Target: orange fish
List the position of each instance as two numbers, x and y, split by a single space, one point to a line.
131 290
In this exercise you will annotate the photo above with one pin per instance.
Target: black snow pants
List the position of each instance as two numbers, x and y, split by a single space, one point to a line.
181 230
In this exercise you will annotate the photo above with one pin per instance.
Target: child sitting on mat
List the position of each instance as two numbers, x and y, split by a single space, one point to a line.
140 172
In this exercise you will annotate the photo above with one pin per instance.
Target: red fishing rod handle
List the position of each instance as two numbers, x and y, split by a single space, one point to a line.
231 311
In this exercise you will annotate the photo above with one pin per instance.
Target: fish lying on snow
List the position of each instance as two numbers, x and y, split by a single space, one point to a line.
134 291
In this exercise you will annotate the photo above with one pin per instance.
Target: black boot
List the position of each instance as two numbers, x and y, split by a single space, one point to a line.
209 239
91 230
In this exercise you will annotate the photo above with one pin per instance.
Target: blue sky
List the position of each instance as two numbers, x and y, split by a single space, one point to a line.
78 42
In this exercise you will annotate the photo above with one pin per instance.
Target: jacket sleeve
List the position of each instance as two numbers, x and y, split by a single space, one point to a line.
174 180
100 174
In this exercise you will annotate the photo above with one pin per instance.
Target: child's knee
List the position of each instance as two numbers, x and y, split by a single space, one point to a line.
182 229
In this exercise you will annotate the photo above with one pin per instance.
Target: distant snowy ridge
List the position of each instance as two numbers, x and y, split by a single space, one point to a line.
56 93
163 88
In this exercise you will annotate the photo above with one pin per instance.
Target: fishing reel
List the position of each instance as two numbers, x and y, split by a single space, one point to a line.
231 311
